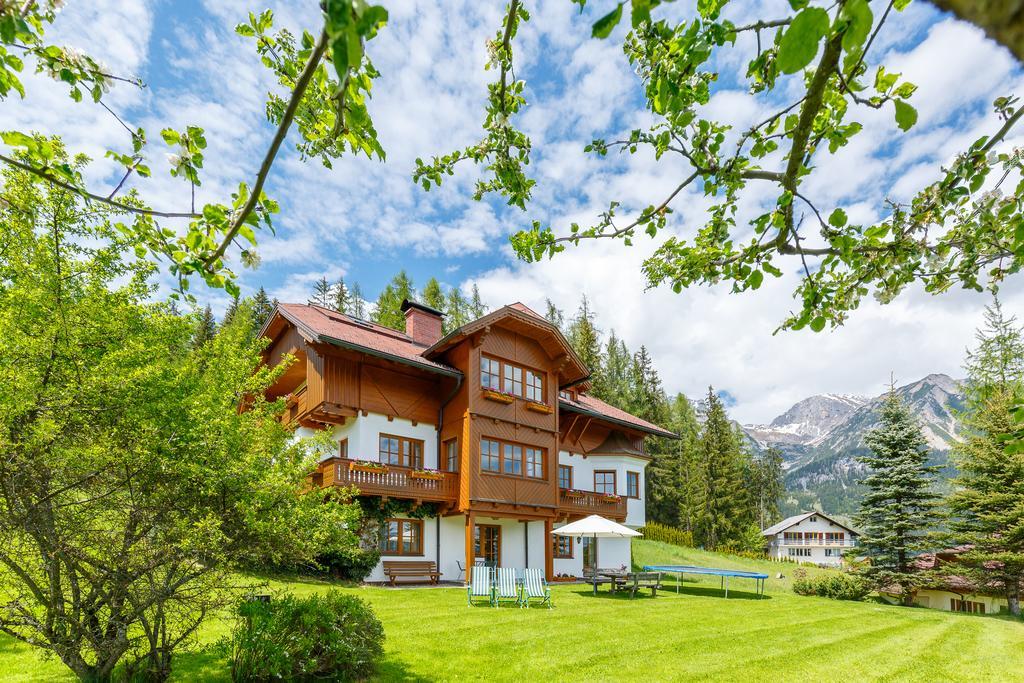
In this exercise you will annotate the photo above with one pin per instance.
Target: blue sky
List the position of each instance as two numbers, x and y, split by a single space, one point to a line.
365 220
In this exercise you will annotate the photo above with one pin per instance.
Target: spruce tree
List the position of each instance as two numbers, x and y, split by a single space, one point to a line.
476 304
646 396
553 314
340 296
613 383
323 294
584 337
766 486
898 506
261 310
670 476
987 503
433 296
456 310
721 502
232 311
206 328
356 303
388 309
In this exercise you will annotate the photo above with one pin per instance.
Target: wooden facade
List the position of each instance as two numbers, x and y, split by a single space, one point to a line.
329 384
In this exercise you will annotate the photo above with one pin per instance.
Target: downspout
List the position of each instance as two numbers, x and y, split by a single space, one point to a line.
440 424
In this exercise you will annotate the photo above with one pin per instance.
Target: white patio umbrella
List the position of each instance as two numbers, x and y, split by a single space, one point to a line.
596 526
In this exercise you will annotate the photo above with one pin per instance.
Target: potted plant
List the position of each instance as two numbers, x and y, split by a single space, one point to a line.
575 493
426 474
539 407
611 498
367 466
505 397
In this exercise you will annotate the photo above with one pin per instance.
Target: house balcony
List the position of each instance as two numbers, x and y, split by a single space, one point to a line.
817 542
299 410
575 503
390 481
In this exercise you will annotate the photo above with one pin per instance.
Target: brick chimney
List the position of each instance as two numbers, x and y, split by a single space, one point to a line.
422 323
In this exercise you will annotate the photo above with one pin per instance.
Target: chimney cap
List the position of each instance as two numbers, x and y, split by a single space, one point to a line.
407 304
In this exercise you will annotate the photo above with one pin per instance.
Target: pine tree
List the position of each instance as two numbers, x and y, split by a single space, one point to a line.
456 310
614 382
433 296
322 294
671 476
898 507
261 310
987 503
232 311
646 396
553 314
206 328
388 309
476 305
340 296
584 338
721 497
766 486
356 303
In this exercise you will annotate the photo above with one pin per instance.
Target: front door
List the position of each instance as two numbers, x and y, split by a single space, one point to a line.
487 544
589 554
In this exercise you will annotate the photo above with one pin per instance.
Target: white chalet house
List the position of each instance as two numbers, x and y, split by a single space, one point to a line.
810 537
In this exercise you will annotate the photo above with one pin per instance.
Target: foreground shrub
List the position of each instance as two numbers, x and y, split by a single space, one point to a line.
835 585
354 564
668 534
332 636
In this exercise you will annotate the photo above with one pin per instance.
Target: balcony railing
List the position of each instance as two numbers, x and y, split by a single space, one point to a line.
590 503
824 542
396 482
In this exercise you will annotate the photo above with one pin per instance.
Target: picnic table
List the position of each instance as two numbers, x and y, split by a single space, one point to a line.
615 578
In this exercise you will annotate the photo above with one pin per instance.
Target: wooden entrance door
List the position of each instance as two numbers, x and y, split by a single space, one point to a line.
487 544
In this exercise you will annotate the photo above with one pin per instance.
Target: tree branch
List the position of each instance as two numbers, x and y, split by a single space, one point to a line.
282 131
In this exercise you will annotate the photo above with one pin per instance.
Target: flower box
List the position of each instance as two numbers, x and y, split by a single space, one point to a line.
563 579
539 407
574 493
426 474
498 397
611 499
367 466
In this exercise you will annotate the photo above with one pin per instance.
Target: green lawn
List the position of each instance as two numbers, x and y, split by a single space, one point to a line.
698 634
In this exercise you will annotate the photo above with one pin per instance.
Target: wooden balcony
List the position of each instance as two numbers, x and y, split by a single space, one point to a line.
395 482
583 503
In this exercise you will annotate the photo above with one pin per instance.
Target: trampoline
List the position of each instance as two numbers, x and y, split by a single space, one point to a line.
681 569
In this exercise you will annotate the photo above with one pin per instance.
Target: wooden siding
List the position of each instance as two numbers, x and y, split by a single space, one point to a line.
576 506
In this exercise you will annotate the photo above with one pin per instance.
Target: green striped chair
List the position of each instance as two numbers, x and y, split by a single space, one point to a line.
481 584
535 587
505 587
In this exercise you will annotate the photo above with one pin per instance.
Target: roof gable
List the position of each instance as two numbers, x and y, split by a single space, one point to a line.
522 320
796 519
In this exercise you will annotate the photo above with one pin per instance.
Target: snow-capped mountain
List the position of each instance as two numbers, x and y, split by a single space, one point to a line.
821 436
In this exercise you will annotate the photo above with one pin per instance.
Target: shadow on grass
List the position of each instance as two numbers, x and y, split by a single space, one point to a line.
670 589
209 664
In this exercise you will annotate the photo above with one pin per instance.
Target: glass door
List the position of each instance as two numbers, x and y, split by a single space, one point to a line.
589 554
487 544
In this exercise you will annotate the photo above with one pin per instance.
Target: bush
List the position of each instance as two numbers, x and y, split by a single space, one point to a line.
351 563
667 534
835 585
332 635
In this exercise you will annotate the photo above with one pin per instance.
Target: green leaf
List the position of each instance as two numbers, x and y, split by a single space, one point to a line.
837 218
755 279
859 17
641 12
16 139
799 43
906 116
818 324
339 54
170 136
603 26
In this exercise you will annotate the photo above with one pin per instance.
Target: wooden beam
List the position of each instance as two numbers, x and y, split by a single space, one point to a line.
549 564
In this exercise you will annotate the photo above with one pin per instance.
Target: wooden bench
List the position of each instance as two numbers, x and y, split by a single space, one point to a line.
426 570
635 582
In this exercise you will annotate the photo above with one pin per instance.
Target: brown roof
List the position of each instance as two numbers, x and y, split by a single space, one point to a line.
595 406
331 327
325 325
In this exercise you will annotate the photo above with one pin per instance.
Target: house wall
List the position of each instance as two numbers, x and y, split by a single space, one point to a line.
583 468
940 599
827 555
430 529
363 434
